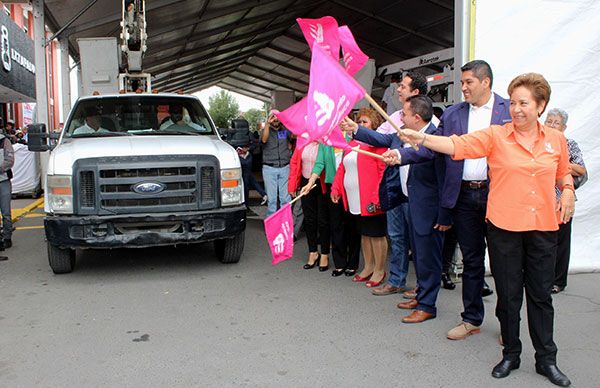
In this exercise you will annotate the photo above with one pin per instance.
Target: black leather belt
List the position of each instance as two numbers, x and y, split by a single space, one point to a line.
274 165
474 184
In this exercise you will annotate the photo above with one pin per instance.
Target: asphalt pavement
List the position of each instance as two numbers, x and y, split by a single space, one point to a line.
176 317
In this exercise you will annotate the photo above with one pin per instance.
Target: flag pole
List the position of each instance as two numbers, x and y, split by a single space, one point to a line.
298 196
385 115
372 154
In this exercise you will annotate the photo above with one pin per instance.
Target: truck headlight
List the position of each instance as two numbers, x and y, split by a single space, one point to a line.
232 189
60 194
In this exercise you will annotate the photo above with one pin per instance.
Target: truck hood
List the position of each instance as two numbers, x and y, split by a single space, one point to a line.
70 150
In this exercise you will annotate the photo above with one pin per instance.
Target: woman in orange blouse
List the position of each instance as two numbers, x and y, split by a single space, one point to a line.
525 161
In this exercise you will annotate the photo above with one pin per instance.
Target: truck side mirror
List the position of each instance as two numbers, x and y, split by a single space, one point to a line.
37 138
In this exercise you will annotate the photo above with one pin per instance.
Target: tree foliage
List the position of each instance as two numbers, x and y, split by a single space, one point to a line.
223 107
254 117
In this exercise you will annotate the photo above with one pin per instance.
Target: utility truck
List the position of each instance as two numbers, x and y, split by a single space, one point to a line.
136 169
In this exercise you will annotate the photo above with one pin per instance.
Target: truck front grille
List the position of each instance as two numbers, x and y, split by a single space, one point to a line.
207 177
87 190
119 185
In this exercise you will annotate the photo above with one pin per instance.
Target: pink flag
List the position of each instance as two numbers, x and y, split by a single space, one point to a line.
324 32
279 228
331 95
294 119
354 58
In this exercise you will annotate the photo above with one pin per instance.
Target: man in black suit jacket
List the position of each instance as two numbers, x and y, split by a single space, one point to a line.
421 184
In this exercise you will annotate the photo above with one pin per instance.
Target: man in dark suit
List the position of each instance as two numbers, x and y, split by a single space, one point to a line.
420 183
465 189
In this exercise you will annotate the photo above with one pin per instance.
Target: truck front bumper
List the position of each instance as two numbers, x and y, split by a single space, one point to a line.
144 230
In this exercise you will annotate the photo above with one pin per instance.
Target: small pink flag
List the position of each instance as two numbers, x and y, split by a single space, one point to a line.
323 32
331 95
354 58
279 228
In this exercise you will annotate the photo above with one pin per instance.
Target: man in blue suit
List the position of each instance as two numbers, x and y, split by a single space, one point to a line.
465 189
421 183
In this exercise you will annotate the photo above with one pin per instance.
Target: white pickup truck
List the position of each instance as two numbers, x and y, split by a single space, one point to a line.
139 170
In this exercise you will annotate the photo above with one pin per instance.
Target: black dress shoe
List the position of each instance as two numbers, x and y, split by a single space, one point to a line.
556 289
447 282
504 367
7 243
337 272
487 291
553 374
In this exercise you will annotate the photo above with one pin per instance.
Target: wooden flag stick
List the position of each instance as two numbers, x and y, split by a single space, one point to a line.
298 196
372 154
385 115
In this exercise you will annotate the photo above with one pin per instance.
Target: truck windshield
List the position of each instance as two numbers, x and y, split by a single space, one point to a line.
130 115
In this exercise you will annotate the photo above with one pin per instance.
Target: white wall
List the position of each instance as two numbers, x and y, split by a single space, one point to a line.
561 40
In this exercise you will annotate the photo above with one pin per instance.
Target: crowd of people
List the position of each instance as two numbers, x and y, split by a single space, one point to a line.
487 175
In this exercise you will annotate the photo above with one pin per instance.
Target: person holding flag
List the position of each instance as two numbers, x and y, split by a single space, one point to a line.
345 235
314 204
357 184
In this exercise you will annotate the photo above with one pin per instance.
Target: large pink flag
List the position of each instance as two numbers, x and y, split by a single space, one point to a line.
354 58
279 228
331 95
323 32
294 118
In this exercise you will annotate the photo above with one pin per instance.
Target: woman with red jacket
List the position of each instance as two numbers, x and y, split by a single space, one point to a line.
357 183
314 205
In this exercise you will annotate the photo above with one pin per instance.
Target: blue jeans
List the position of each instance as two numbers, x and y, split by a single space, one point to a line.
398 221
276 180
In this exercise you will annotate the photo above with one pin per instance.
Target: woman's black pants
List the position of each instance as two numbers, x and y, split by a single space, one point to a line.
345 236
316 219
524 260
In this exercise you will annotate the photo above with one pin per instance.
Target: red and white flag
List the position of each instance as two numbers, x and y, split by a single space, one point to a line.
279 228
354 58
323 32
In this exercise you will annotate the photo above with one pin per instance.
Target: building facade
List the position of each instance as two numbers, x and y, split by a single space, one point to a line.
17 70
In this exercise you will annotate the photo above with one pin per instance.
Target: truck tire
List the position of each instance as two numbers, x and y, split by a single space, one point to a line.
229 250
62 260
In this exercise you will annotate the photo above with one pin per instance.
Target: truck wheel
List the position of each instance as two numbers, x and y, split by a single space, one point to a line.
230 250
62 260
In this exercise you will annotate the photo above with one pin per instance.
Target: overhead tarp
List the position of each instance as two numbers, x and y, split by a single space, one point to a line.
561 40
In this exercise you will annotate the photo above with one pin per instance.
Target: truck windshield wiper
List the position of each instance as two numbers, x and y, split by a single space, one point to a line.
167 133
101 134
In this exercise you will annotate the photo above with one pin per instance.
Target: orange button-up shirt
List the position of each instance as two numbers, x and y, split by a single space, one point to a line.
521 196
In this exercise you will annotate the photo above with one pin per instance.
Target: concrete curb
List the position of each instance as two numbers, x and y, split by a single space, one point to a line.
21 212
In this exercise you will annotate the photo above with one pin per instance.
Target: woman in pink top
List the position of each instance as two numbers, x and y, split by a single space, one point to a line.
314 205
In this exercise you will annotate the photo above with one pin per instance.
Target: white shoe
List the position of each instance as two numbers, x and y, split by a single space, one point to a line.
264 200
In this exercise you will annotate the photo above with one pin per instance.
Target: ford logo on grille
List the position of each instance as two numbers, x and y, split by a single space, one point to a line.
148 188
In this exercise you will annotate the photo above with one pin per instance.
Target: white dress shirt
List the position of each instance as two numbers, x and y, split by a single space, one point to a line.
479 118
404 170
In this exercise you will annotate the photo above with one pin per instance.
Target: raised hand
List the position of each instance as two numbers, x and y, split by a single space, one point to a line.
390 157
411 136
348 125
